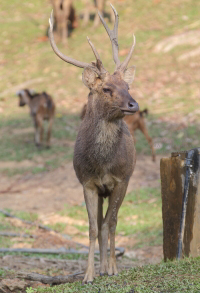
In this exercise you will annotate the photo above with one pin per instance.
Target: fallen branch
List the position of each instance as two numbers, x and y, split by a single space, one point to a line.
61 250
10 234
50 280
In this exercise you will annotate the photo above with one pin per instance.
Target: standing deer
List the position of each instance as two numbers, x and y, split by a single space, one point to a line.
64 12
42 108
104 154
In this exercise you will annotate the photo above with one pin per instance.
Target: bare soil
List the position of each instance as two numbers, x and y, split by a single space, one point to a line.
49 192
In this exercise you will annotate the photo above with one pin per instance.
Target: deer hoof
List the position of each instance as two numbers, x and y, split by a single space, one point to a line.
112 275
87 283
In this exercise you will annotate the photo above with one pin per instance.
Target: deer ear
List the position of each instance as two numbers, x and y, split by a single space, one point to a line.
89 77
129 74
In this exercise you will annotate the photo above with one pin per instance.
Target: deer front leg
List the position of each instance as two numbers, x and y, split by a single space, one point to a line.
110 223
91 200
37 133
38 130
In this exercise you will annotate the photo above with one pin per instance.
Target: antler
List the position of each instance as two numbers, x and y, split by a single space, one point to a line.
66 58
113 35
99 63
124 64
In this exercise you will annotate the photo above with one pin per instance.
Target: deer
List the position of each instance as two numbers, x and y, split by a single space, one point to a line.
137 121
104 152
64 12
42 107
134 122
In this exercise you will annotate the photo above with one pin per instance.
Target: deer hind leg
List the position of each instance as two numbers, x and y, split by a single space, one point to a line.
109 226
49 132
86 12
150 141
100 221
91 200
100 7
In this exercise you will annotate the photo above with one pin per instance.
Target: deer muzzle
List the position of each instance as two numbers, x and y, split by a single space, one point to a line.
130 106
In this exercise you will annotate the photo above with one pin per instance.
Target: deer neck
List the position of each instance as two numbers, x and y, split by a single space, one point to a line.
106 132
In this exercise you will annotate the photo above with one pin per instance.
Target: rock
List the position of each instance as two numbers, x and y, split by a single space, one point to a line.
13 285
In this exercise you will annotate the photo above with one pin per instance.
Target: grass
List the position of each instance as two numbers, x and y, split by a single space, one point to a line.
18 145
182 276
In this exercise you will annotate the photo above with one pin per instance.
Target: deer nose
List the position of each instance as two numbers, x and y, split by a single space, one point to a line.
133 106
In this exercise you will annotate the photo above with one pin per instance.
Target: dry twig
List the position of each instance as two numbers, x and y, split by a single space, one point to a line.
50 280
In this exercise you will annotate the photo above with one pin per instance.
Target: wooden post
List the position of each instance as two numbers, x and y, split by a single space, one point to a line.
172 172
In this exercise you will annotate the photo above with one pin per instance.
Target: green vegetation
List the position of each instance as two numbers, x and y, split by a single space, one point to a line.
18 144
167 277
169 88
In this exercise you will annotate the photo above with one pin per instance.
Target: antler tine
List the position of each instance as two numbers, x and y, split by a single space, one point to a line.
113 35
96 54
124 64
61 55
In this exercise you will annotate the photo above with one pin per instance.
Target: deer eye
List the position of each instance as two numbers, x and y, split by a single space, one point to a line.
107 91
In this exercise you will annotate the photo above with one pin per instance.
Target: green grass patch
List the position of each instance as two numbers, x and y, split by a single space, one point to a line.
182 276
141 215
167 138
26 216
18 145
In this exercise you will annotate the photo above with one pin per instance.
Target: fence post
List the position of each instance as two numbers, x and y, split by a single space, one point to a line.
172 172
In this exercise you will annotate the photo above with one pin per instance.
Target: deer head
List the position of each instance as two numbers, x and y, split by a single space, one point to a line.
24 96
110 91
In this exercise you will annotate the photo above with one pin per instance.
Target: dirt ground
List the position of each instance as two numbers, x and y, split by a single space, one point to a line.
59 187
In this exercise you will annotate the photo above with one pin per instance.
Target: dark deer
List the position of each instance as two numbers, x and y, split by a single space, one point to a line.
137 121
104 154
42 108
64 12
134 122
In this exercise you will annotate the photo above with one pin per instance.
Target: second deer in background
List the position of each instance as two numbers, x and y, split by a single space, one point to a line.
42 108
137 121
64 12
